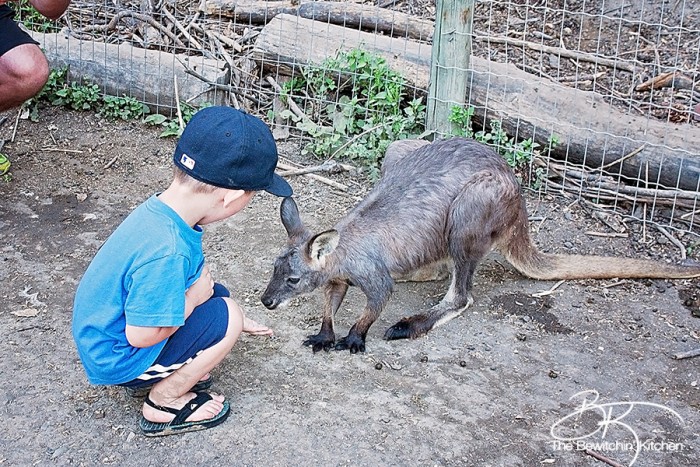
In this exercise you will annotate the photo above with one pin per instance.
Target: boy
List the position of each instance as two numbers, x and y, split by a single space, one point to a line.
147 312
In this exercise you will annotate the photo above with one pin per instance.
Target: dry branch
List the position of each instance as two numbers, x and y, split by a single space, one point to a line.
138 16
558 51
313 176
603 458
688 354
672 79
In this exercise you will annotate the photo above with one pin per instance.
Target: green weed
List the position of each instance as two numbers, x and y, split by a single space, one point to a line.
124 108
518 154
172 125
360 107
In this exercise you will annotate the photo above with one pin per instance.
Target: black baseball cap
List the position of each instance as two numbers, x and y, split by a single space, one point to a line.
227 148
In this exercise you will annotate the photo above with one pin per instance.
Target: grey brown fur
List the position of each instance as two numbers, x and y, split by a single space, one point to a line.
448 201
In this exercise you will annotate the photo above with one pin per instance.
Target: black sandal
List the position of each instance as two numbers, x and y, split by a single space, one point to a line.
178 424
144 390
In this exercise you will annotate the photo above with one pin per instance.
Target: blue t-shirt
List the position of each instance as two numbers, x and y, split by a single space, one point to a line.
139 276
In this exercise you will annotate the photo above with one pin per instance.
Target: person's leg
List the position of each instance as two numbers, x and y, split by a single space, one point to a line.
173 391
24 69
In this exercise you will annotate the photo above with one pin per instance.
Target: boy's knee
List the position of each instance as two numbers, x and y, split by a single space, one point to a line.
235 318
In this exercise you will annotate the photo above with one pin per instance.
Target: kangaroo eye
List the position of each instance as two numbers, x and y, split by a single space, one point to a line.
293 280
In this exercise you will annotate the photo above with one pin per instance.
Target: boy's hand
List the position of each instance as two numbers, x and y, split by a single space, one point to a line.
200 291
255 329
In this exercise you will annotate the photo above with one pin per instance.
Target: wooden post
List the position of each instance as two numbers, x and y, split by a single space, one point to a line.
449 75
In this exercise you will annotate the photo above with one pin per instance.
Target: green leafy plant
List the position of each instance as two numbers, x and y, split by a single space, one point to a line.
31 18
124 108
79 97
172 126
360 106
518 154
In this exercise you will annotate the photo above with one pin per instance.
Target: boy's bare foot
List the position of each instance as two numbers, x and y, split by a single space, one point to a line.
255 329
207 411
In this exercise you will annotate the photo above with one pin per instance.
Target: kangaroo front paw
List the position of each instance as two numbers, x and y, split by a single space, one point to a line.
320 341
352 342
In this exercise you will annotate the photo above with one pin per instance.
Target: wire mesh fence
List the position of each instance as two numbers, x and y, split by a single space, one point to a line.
598 100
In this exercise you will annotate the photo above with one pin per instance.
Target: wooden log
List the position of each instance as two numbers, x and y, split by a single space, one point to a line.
351 15
248 11
590 131
146 75
369 18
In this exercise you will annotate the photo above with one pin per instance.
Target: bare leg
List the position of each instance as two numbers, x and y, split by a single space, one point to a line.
23 72
173 391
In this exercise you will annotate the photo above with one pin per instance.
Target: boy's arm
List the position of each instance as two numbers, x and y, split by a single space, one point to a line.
198 293
143 336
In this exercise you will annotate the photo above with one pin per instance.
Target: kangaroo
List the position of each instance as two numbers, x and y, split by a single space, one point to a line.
448 201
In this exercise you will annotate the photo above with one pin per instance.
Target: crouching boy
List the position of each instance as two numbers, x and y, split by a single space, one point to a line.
147 313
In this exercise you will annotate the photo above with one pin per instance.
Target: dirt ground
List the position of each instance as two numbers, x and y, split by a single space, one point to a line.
483 390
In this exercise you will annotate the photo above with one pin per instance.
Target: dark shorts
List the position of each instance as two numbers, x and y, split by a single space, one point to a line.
205 327
10 34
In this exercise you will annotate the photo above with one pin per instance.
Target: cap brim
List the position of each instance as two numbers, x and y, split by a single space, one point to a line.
279 187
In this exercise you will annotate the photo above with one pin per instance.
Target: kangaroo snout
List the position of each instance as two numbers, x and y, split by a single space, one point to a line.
270 303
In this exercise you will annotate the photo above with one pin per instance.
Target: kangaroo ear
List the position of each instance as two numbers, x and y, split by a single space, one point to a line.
320 246
289 213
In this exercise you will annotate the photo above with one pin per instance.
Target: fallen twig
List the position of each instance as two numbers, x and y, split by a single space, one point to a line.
604 234
180 120
615 284
548 292
312 176
673 239
578 78
73 151
111 163
289 101
328 166
687 354
603 458
624 158
195 43
672 79
14 130
223 87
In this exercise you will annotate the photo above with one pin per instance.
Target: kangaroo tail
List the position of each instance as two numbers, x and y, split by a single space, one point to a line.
529 261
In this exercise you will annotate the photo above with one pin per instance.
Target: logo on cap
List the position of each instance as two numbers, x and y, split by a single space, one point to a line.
187 161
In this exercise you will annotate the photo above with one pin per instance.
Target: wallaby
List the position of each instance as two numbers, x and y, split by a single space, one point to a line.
452 200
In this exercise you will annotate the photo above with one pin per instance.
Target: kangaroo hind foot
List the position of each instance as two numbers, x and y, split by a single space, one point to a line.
420 324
